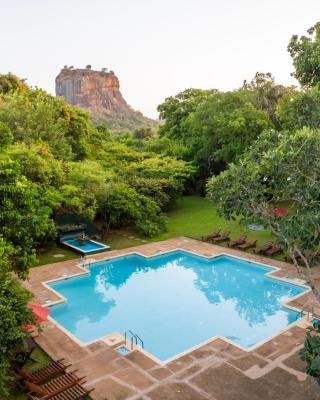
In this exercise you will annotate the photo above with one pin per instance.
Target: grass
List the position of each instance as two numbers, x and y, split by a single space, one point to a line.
193 216
48 256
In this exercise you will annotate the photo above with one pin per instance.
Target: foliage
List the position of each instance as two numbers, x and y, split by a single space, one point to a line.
6 136
13 313
300 109
34 116
24 217
121 205
222 128
9 83
311 352
305 52
176 109
211 129
266 94
278 168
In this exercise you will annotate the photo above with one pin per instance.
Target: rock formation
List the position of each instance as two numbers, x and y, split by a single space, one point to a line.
99 93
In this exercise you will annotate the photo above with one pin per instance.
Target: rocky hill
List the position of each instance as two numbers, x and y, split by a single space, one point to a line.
99 93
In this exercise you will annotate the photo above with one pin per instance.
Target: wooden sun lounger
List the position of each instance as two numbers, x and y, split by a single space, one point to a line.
75 392
273 250
55 386
248 245
41 374
222 238
264 248
212 235
239 241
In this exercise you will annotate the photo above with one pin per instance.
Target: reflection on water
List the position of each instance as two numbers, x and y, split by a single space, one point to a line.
175 301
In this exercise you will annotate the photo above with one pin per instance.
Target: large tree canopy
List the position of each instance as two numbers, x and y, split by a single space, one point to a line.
305 52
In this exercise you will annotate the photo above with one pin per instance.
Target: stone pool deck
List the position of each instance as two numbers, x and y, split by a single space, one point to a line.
217 371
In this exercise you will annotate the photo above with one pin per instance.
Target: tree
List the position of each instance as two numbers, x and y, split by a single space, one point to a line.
24 217
281 167
13 313
278 168
34 116
221 129
305 52
266 94
9 83
176 109
300 109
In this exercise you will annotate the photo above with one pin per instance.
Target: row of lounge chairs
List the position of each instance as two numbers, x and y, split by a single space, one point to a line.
269 248
51 382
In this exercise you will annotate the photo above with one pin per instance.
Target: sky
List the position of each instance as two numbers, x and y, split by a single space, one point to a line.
157 48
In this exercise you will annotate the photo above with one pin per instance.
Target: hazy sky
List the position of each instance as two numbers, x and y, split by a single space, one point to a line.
156 47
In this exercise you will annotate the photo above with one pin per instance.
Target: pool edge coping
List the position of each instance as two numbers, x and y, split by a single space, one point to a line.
85 267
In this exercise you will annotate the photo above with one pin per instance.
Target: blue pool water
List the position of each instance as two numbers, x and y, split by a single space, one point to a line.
175 301
88 245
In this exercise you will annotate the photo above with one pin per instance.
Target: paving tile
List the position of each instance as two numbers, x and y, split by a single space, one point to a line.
134 377
160 373
203 352
266 349
141 360
295 362
109 389
188 372
226 383
180 363
247 361
175 391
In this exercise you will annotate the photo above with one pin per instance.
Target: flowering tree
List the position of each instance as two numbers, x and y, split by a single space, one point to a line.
279 167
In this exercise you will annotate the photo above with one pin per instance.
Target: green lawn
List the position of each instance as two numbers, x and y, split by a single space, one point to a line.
193 216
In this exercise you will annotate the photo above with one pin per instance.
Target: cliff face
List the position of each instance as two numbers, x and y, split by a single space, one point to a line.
99 93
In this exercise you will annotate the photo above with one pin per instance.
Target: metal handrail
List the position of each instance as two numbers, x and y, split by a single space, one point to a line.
140 340
307 310
134 338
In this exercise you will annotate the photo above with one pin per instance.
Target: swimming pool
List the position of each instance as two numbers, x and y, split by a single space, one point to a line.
88 247
175 301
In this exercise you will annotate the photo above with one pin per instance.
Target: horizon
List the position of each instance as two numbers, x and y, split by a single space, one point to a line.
156 49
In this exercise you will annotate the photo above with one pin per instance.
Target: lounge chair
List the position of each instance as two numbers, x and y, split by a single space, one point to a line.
241 240
248 245
75 392
222 238
212 235
55 386
274 250
44 373
264 248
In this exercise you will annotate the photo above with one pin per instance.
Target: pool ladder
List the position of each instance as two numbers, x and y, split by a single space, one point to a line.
306 309
134 338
